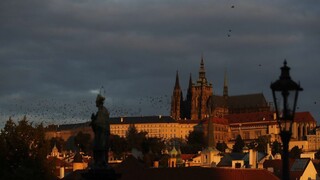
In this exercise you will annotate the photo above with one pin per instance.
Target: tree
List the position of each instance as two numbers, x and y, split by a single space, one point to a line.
295 152
221 146
135 138
276 147
238 145
153 144
195 142
23 151
118 145
317 154
262 142
83 141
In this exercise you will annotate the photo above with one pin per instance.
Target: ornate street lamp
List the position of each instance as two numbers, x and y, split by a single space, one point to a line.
285 95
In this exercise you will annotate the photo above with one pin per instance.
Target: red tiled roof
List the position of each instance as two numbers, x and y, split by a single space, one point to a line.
182 121
266 116
250 117
217 120
133 170
193 173
304 117
187 156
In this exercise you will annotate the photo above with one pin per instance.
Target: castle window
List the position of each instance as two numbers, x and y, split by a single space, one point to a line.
246 135
257 133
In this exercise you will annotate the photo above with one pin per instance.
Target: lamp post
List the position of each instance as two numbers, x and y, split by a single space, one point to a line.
285 95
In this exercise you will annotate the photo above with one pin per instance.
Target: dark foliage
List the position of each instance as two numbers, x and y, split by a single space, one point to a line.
221 146
276 147
195 142
238 145
295 152
23 151
317 154
118 145
135 138
262 143
83 142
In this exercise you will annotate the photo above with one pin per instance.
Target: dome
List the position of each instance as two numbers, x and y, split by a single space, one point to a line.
173 152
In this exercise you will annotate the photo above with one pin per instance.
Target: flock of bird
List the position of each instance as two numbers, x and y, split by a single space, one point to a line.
55 111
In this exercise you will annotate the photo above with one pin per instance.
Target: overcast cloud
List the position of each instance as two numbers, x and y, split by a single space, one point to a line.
56 54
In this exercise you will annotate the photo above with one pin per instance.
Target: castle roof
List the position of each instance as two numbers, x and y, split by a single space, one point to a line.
266 116
240 101
122 120
248 100
216 120
141 120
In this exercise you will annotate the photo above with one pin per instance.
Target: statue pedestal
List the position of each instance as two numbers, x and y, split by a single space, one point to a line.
100 173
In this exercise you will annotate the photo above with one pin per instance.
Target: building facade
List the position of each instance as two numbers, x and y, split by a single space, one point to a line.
156 126
247 115
252 125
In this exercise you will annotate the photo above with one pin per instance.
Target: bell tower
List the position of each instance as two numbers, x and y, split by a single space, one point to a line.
201 91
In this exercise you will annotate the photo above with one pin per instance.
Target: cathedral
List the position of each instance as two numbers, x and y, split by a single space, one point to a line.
200 101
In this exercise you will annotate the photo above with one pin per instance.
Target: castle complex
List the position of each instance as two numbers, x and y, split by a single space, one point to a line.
247 115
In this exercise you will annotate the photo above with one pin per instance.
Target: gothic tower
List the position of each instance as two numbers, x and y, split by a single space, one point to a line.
200 91
195 105
176 99
189 99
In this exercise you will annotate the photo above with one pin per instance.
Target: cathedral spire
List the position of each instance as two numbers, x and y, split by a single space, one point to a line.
177 84
225 85
176 101
190 82
202 73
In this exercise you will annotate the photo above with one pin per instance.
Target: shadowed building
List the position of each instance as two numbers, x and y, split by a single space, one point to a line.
195 107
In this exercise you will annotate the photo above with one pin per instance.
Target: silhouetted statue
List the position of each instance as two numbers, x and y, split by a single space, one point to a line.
101 128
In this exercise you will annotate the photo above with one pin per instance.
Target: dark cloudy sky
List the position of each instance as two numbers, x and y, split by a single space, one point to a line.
56 54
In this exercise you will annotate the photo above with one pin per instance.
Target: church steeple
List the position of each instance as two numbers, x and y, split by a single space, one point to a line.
202 73
176 100
177 84
225 85
190 82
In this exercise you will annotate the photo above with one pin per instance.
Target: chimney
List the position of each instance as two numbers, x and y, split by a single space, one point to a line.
252 158
156 164
61 172
268 149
